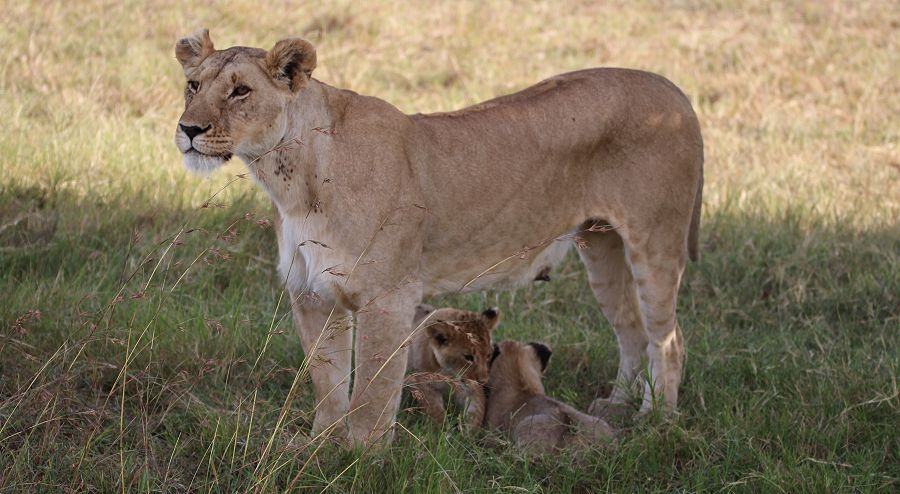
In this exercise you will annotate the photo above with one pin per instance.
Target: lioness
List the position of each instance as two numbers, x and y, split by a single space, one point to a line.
451 349
376 209
518 405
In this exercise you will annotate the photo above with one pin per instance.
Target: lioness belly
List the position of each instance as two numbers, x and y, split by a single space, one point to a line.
515 270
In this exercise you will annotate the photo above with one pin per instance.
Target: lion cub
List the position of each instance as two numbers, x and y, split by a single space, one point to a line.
518 406
451 350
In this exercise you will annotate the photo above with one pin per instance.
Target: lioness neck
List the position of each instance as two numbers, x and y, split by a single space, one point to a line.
289 170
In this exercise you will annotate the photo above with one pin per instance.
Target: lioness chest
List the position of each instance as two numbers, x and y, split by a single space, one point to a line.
309 257
306 260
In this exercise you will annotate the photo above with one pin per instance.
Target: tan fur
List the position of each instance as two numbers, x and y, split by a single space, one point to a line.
517 405
377 209
451 349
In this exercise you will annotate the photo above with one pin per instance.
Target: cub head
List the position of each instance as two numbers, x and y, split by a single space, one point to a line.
459 340
235 99
517 366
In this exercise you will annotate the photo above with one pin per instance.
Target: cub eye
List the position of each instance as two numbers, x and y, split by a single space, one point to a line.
193 86
239 91
469 358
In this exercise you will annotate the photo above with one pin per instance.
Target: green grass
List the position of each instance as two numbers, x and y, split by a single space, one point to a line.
131 363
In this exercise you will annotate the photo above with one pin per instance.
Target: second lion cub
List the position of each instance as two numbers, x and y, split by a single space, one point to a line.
518 405
451 351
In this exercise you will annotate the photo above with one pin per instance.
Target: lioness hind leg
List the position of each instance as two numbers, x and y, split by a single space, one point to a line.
610 279
327 343
657 267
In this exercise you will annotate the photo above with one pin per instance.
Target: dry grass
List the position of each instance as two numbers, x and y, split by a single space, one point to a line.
791 318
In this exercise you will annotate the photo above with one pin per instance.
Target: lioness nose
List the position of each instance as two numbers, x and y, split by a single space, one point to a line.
192 131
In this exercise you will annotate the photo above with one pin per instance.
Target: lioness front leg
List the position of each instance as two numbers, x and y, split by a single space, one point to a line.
382 336
327 344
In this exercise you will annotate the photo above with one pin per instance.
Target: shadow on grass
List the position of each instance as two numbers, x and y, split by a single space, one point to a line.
130 359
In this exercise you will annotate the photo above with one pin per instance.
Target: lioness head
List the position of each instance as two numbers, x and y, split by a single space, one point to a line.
460 340
235 99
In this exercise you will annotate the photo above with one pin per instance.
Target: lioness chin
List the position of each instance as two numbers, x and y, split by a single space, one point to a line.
376 209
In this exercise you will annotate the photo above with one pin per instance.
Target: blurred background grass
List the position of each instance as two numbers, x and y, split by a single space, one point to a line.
131 362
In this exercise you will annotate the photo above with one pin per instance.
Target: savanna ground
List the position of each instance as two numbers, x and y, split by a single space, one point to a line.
145 342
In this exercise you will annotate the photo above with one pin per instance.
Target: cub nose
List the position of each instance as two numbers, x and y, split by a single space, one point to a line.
192 131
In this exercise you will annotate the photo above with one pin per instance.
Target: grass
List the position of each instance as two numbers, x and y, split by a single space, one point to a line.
129 362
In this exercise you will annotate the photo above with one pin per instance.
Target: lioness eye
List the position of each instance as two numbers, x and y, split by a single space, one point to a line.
193 86
239 91
469 358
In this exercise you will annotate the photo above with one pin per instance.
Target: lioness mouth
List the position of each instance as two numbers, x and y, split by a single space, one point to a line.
224 157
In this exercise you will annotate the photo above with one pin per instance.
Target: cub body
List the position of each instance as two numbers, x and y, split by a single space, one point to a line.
450 350
517 403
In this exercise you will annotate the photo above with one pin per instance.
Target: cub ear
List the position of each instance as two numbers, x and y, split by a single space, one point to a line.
192 50
438 334
543 353
494 354
422 311
291 61
492 317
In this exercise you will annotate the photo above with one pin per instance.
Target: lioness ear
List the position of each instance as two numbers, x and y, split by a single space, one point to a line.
291 61
192 50
543 353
